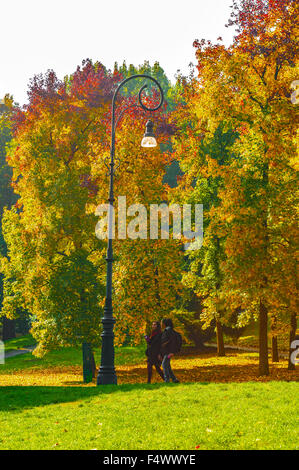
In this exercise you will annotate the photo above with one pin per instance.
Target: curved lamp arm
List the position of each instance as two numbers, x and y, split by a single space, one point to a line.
141 104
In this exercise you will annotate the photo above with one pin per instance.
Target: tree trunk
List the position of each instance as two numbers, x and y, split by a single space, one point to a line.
93 365
220 342
274 349
8 329
263 340
275 355
88 360
291 365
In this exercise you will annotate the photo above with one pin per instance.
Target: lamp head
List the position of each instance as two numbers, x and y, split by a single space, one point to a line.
149 136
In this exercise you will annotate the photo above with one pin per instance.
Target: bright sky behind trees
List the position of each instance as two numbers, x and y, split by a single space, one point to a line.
39 35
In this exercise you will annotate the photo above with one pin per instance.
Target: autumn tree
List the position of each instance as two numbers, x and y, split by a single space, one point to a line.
55 264
247 87
147 284
7 197
49 267
196 149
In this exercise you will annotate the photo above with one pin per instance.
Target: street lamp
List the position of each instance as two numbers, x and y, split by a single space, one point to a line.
107 375
149 139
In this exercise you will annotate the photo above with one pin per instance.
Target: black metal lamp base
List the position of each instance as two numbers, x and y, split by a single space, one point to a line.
106 379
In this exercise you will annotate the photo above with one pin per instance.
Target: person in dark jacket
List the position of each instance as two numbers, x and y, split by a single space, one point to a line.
153 351
167 350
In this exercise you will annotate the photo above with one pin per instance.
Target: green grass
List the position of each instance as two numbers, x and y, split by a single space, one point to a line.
250 338
248 415
70 357
19 343
159 416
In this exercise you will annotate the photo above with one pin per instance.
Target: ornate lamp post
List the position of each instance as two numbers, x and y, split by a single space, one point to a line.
107 375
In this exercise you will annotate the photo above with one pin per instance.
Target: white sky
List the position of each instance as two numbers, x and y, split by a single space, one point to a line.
36 35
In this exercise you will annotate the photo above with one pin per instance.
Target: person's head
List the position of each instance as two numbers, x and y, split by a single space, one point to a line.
156 326
167 322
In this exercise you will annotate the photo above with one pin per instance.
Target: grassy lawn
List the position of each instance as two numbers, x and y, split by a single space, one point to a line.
250 338
67 357
219 404
159 416
19 343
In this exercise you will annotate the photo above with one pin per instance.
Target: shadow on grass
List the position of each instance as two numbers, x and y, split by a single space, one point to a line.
16 398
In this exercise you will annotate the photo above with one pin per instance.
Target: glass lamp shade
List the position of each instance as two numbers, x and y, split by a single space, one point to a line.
148 141
149 136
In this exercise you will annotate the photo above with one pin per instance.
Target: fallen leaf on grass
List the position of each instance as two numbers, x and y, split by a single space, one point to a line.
234 367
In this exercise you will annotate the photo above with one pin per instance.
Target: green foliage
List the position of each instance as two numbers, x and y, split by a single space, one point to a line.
156 71
70 305
173 171
194 327
204 275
